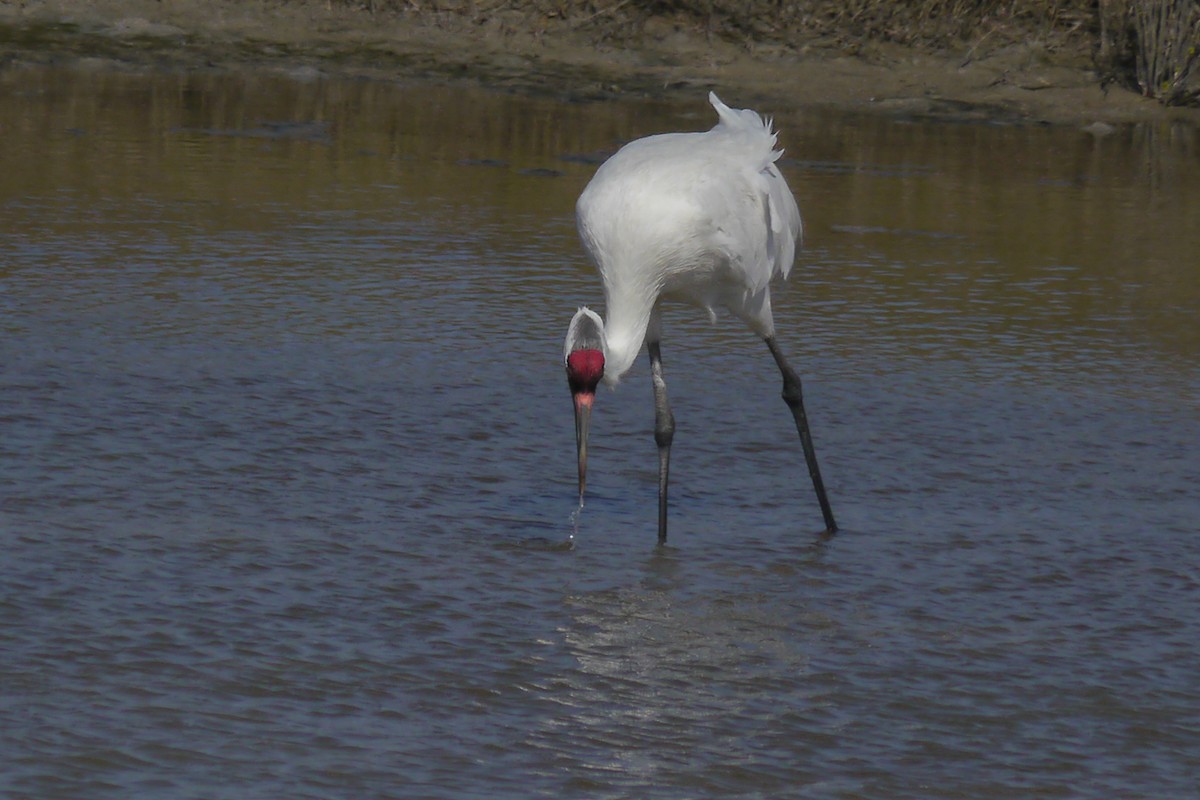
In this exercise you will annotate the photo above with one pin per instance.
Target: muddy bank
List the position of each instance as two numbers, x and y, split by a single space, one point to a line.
519 51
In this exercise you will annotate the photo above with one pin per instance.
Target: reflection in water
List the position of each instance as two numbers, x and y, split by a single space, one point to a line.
698 683
1042 227
287 461
1062 230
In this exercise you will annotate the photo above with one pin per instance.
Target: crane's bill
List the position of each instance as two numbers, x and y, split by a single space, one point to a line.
585 368
583 418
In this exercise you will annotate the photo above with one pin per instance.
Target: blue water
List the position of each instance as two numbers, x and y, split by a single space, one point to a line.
287 462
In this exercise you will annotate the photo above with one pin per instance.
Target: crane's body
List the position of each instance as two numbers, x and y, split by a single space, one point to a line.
704 218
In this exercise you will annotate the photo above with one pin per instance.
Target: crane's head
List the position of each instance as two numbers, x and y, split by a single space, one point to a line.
583 356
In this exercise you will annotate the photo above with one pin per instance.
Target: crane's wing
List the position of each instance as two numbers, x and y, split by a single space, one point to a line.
785 230
750 142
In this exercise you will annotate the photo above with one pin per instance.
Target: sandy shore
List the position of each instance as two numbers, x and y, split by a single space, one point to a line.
513 51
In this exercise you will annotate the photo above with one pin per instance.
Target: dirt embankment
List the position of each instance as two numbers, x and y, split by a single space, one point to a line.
527 50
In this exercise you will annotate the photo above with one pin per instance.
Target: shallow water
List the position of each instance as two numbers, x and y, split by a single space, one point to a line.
287 461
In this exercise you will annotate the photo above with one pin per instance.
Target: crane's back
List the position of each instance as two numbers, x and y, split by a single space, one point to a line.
703 217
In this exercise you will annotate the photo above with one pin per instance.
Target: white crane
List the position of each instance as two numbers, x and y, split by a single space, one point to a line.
705 218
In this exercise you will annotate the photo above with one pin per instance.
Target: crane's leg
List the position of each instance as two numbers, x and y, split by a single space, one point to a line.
664 433
794 397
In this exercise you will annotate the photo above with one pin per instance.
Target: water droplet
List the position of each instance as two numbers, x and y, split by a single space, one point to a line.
575 515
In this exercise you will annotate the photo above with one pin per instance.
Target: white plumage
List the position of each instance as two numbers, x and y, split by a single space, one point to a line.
704 218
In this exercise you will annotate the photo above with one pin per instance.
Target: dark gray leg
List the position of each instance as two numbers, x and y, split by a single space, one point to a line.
794 397
664 432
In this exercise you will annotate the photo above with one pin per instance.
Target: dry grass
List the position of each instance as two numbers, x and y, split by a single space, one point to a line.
1168 34
921 23
1151 45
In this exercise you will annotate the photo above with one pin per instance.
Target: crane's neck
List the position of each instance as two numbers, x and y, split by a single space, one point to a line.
624 335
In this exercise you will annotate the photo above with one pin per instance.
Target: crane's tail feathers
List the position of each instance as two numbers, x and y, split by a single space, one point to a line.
743 120
784 229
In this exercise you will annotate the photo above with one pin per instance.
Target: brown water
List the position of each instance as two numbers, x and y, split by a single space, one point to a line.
286 461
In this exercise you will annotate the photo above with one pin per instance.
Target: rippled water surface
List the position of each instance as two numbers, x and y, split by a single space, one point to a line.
287 461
